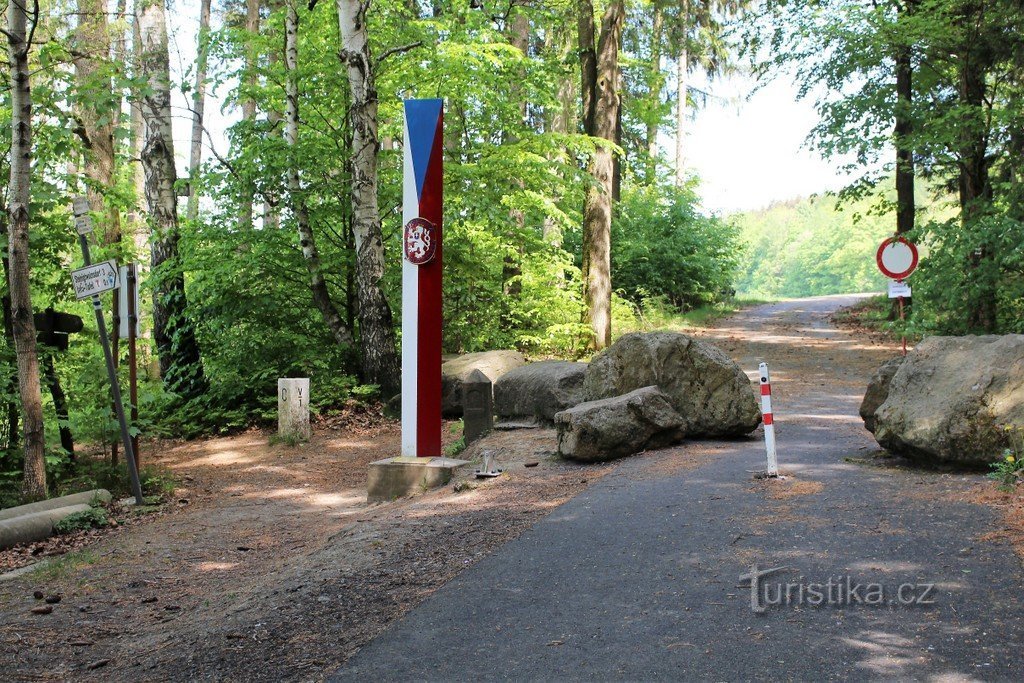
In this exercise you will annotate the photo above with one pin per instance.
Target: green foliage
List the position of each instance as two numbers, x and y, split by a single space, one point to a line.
1009 471
810 247
93 518
952 279
455 448
662 246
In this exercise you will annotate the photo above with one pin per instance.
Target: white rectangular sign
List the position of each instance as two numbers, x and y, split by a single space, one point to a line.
122 303
83 224
898 288
83 221
95 279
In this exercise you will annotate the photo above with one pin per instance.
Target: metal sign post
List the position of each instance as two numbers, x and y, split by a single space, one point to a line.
897 258
92 285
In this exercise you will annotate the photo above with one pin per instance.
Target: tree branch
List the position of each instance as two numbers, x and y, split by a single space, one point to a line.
392 51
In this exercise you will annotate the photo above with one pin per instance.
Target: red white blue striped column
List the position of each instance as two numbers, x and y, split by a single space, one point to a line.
768 419
421 279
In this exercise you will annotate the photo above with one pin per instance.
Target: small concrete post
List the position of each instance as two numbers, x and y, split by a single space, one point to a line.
293 407
477 406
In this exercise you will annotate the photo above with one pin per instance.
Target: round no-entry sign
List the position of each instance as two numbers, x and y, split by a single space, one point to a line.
897 257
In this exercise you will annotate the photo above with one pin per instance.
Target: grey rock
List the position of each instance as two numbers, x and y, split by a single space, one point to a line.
951 399
619 426
454 372
706 387
539 390
878 391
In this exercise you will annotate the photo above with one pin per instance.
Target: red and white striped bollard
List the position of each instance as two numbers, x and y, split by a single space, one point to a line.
769 420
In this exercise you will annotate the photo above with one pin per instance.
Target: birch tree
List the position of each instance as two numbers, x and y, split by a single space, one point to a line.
19 39
376 327
198 108
180 363
296 197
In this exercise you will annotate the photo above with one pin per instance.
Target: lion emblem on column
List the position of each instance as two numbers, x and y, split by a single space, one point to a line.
420 241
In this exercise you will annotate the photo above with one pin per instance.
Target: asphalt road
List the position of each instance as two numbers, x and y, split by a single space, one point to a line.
638 578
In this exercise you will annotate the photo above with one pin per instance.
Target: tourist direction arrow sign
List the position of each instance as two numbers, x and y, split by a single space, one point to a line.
95 279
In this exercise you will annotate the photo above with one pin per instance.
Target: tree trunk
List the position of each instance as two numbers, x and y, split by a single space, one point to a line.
905 204
198 109
563 119
597 213
96 120
657 30
180 363
297 200
511 269
903 129
975 185
376 327
252 29
585 33
34 471
137 135
682 89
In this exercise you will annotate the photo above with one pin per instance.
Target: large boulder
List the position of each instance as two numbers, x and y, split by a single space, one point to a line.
539 390
709 390
617 427
878 391
454 372
951 399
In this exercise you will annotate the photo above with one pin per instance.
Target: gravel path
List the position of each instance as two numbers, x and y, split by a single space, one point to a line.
638 577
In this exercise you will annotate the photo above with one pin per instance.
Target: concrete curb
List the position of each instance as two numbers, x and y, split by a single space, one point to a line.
34 527
83 498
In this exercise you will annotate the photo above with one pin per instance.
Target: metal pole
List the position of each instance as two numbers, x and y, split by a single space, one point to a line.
115 336
115 388
133 361
903 334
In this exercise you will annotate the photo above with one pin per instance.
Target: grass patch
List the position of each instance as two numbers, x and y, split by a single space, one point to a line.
290 439
64 565
93 518
455 448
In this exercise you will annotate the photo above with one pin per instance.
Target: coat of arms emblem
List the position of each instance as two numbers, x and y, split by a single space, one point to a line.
420 241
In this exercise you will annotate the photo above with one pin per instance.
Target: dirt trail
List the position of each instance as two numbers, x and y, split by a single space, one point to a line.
268 564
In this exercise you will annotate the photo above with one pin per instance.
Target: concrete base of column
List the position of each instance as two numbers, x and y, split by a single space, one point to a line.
398 477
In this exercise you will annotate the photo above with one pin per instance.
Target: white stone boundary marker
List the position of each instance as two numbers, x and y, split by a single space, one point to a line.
769 420
293 407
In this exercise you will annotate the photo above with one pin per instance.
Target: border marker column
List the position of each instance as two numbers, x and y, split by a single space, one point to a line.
422 211
769 420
